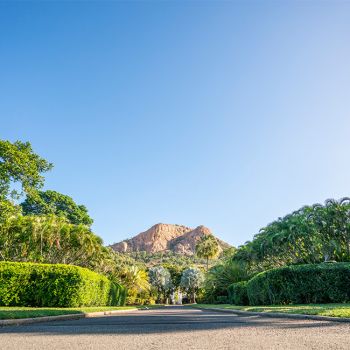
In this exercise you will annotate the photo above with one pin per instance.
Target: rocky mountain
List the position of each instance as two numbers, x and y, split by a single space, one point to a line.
164 238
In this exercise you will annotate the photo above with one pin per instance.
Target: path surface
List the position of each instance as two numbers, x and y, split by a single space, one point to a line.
177 328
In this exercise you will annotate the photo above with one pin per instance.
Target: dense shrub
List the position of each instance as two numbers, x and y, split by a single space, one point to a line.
221 299
219 277
29 284
237 293
301 284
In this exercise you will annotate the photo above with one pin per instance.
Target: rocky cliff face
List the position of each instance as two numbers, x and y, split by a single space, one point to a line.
166 237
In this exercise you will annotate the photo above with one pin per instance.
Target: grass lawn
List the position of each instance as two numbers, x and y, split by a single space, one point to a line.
11 312
333 310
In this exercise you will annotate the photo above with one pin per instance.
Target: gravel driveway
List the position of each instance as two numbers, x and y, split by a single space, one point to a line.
177 328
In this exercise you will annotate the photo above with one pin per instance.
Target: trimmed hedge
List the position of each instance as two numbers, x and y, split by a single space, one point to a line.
31 284
237 293
301 284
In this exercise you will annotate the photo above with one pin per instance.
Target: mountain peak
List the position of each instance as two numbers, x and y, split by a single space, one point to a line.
166 237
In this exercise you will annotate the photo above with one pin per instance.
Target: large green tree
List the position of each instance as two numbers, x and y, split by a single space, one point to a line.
19 165
207 248
20 173
52 202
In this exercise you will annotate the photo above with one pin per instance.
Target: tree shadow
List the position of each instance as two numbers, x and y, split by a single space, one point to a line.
168 320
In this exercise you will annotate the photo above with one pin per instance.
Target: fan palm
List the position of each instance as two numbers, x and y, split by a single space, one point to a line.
207 248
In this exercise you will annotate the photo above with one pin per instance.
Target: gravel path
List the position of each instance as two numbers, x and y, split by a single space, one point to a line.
177 328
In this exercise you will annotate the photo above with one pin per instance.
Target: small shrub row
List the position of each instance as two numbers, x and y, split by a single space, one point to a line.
237 293
56 285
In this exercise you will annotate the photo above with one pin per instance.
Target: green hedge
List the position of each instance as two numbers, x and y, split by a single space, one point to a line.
301 284
237 293
221 299
30 284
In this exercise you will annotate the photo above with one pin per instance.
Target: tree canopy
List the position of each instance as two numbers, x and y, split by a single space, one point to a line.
192 280
311 234
160 279
51 239
207 248
20 165
175 273
52 202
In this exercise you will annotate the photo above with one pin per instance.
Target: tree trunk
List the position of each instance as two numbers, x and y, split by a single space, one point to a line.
159 296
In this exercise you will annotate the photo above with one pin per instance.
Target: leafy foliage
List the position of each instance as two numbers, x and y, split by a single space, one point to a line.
207 248
309 235
135 279
175 274
8 209
237 293
51 239
192 280
160 279
28 284
52 202
301 284
220 277
19 164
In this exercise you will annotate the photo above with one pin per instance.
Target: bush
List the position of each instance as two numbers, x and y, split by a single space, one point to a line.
237 293
301 284
221 299
30 284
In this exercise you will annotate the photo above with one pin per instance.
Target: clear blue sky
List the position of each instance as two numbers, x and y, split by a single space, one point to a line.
223 114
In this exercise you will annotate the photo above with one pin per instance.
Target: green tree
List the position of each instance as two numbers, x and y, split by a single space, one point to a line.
175 273
135 277
8 209
52 202
207 248
160 279
20 165
192 280
51 239
135 280
312 234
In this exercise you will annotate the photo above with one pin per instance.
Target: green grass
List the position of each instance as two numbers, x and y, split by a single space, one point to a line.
333 310
12 312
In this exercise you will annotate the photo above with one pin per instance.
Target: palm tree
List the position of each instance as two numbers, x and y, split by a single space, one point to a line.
207 248
136 278
221 276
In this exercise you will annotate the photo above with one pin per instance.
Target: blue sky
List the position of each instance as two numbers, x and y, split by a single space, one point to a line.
226 114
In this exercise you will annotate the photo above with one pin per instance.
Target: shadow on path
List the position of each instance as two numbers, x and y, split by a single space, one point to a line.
165 320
